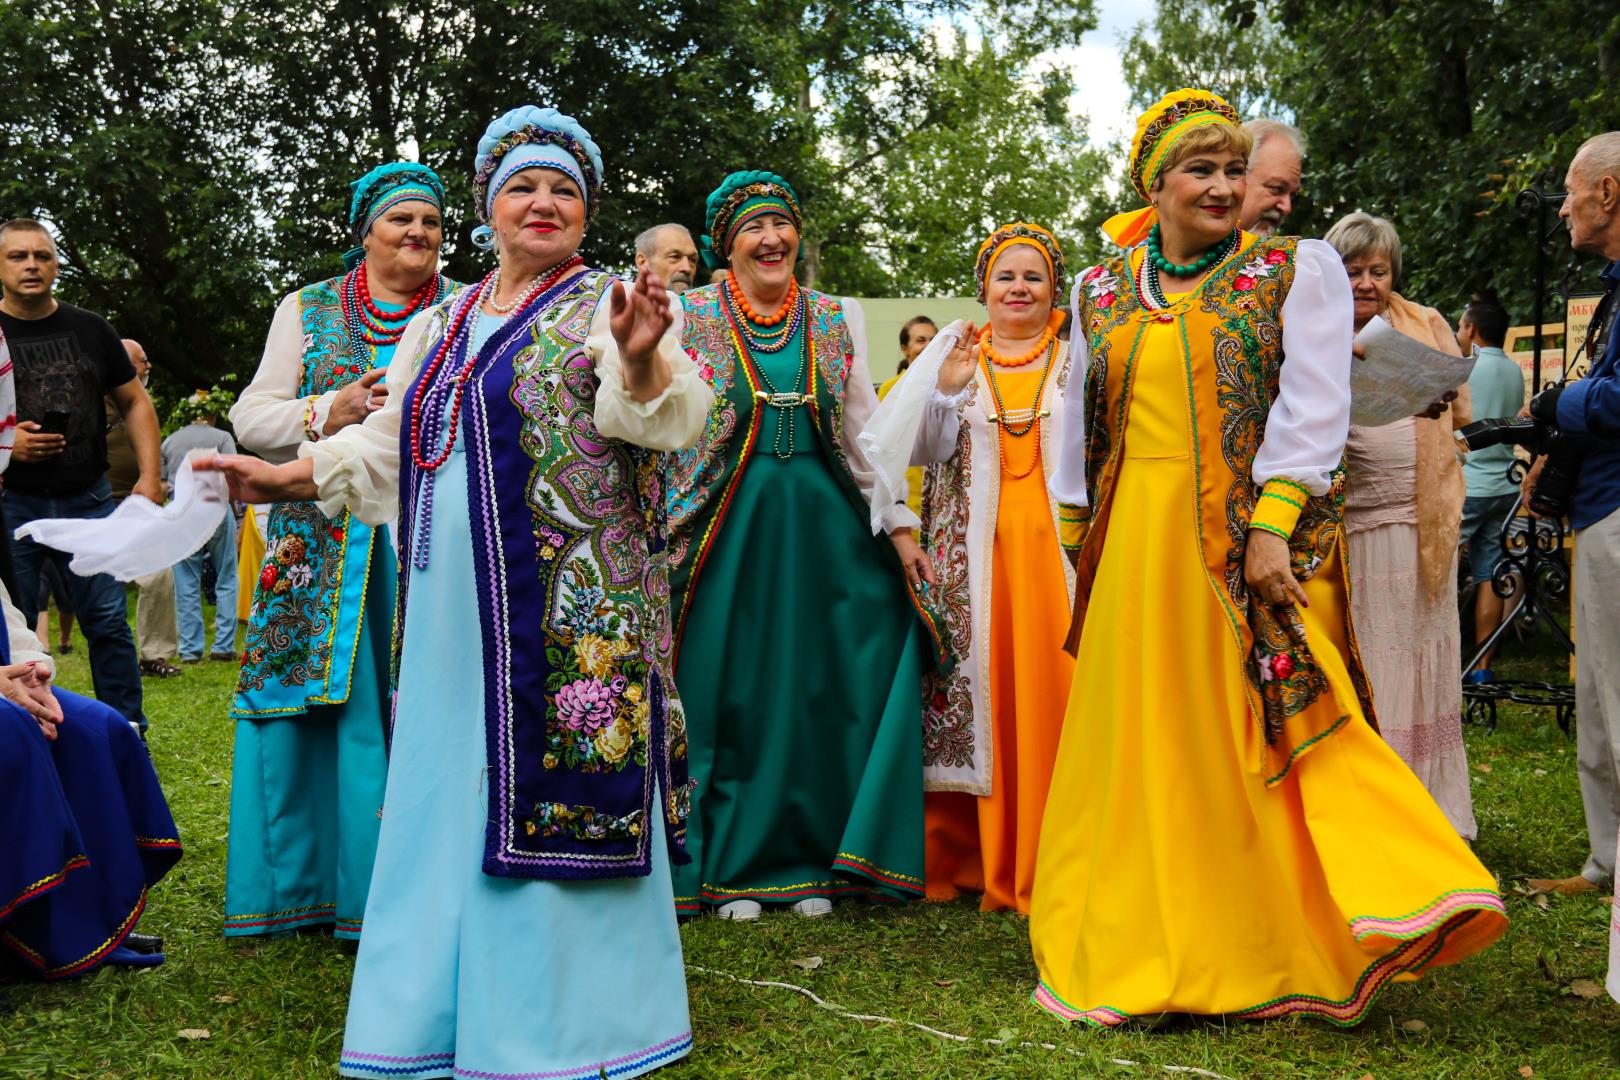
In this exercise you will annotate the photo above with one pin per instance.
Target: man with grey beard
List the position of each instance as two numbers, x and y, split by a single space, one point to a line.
668 251
1275 164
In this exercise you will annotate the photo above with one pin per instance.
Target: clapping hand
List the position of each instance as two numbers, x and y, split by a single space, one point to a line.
961 363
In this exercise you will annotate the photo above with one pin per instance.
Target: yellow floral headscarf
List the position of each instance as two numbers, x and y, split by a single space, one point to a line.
1157 130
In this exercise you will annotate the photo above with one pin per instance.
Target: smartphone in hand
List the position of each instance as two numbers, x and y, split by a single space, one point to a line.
55 422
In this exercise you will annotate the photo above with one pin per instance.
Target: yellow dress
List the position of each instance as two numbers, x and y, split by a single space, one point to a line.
1170 877
249 552
987 844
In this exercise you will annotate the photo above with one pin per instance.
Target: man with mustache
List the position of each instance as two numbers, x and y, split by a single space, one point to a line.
1274 171
66 360
668 251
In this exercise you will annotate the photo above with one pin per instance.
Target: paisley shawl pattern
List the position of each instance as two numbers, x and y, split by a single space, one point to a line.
957 718
570 561
948 728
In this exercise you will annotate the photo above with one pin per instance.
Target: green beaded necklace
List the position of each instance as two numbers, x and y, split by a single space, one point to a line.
1192 269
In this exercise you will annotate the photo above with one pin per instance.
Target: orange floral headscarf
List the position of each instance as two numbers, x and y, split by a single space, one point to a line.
1020 232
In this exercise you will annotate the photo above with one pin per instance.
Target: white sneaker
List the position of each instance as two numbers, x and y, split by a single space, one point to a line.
813 908
742 910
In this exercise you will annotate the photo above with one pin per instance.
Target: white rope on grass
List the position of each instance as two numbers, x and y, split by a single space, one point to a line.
834 1007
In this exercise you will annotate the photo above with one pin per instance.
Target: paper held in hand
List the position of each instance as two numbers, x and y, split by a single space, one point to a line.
1399 377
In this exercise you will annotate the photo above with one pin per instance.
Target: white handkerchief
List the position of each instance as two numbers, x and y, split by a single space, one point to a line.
1400 376
140 537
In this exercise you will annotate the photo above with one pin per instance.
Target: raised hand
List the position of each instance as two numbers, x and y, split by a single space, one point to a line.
639 318
961 363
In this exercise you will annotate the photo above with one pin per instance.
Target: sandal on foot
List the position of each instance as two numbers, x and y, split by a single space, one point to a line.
159 669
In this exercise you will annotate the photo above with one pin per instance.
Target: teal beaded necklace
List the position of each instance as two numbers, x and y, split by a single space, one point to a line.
1192 269
1148 288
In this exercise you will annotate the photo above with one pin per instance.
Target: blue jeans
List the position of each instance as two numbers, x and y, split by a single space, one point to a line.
188 598
1482 519
98 601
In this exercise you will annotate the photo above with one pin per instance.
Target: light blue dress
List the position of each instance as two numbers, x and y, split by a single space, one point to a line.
461 974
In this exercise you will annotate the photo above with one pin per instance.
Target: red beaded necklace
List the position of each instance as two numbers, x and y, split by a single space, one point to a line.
430 371
376 326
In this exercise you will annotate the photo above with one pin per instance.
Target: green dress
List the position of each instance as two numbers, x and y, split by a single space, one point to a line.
800 659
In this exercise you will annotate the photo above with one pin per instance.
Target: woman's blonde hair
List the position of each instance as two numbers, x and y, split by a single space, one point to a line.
1210 138
1358 235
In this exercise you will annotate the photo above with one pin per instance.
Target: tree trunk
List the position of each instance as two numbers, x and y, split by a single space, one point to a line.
810 272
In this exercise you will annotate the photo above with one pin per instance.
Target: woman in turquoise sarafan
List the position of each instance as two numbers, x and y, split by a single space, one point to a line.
311 701
799 637
519 923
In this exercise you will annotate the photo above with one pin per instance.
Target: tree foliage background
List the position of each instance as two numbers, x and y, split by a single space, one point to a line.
1435 114
194 155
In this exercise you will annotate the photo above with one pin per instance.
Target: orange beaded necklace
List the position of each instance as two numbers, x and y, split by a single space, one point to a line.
755 317
988 349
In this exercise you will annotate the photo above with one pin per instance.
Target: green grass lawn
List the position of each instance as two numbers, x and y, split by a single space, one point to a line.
275 1008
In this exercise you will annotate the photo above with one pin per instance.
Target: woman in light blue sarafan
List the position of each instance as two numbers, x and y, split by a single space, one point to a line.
520 922
311 696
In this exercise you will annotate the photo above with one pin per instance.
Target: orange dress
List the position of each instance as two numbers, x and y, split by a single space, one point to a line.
987 844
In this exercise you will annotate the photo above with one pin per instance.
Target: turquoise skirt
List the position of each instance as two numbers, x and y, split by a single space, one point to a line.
306 792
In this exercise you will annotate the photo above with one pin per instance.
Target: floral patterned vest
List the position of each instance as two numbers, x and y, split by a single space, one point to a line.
304 627
1231 329
570 557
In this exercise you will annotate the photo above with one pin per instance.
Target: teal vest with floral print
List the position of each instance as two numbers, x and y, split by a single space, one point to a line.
308 607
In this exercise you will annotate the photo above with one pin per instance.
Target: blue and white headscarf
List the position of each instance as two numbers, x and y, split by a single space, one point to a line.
384 188
526 138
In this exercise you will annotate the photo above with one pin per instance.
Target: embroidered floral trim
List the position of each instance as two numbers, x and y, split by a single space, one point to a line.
1102 287
581 822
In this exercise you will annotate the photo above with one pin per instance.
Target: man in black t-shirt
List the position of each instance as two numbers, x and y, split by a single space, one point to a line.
66 361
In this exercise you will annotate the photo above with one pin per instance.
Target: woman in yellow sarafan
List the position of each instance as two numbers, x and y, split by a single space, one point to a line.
1226 834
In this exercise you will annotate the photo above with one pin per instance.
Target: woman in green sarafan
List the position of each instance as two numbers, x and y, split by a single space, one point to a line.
800 635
